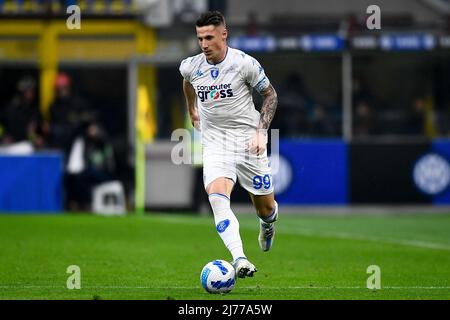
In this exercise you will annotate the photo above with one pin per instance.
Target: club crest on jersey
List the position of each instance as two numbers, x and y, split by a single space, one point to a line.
214 73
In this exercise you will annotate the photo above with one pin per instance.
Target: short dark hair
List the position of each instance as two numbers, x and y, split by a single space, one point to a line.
210 18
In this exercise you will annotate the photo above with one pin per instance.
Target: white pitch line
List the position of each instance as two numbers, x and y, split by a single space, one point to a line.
327 234
387 240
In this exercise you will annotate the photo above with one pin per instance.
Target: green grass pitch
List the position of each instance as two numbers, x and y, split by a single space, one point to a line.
160 257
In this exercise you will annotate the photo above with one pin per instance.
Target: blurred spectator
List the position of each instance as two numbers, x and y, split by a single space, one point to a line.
252 27
22 120
170 105
68 113
447 23
219 5
444 121
294 105
349 25
416 121
187 10
97 166
321 122
361 92
363 120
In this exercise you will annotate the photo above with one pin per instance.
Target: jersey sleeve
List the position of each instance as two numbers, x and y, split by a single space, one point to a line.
254 74
186 69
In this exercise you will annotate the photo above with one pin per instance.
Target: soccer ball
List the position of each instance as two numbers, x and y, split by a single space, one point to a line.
218 276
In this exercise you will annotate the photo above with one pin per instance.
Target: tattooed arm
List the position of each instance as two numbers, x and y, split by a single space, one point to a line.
268 108
259 141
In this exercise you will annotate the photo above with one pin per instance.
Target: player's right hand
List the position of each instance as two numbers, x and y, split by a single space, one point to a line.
196 125
195 121
258 143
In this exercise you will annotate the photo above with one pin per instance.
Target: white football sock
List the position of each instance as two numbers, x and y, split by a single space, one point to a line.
273 217
227 226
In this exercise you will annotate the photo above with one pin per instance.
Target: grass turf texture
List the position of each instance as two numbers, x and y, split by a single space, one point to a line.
161 256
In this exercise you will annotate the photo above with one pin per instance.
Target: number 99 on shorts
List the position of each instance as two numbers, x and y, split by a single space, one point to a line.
262 182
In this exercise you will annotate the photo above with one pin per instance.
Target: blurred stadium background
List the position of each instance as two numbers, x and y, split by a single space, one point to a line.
96 106
87 115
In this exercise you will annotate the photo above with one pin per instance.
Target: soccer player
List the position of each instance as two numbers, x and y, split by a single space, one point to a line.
218 86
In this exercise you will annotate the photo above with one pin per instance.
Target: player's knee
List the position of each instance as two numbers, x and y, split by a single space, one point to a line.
266 209
219 202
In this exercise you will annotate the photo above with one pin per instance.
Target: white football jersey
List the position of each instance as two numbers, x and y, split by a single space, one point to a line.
224 91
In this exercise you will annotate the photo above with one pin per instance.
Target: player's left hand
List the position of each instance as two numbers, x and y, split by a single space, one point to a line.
258 143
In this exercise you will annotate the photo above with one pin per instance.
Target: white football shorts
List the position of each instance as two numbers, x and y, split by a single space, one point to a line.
251 171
